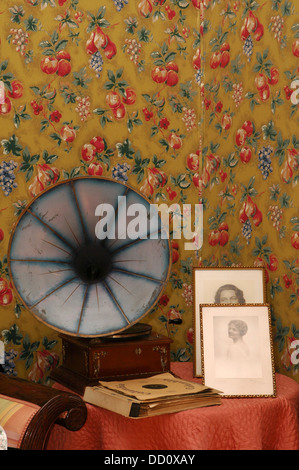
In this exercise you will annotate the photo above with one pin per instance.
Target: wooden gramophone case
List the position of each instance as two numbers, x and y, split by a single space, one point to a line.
86 361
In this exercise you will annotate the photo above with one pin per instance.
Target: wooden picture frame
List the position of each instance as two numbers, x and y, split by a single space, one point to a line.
206 282
237 349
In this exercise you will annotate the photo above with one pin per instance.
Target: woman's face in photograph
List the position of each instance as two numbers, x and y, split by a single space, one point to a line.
233 332
228 297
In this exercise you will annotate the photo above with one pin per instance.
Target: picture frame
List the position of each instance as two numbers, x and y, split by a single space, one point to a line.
206 282
235 366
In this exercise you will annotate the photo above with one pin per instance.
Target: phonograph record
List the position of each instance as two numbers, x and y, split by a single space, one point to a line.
93 291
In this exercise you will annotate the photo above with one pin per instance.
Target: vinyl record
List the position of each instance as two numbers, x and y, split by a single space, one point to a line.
76 281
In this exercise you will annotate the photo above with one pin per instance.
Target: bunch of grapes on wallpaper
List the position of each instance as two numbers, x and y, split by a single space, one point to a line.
187 101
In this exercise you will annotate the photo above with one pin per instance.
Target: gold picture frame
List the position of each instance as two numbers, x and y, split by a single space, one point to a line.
206 282
235 366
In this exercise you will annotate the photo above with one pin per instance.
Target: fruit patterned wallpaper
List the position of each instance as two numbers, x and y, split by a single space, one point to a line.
187 101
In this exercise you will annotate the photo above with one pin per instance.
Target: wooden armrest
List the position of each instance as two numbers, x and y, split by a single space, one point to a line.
56 407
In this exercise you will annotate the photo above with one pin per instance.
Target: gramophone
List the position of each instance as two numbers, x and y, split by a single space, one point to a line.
84 264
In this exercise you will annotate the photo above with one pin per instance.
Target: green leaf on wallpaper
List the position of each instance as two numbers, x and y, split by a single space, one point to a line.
281 333
144 35
250 5
48 345
181 181
124 149
27 166
111 76
287 8
261 250
44 124
54 37
132 24
295 222
18 309
214 147
81 79
140 164
237 65
12 335
154 130
269 131
263 65
180 355
16 120
119 73
49 158
35 90
3 65
285 200
45 44
158 14
28 350
104 118
275 287
61 45
68 96
99 111
164 48
295 28
176 106
186 91
170 56
165 144
282 145
56 137
275 4
21 115
156 55
31 23
146 97
231 161
186 266
11 145
295 142
235 247
277 101
163 318
97 20
291 266
6 78
295 331
253 101
71 174
17 12
47 2
133 121
249 190
158 163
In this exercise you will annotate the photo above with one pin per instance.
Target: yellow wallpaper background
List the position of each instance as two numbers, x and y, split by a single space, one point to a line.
187 101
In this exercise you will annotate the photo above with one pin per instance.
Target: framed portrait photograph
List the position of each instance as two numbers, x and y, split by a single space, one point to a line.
237 349
217 285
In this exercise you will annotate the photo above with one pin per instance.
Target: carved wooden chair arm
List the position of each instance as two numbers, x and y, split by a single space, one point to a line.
54 407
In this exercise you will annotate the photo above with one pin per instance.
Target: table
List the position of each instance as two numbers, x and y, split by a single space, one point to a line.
237 424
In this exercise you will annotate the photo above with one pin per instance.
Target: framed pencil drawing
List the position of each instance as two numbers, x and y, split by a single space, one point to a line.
237 349
224 285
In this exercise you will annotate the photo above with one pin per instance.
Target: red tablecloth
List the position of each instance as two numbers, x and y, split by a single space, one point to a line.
237 424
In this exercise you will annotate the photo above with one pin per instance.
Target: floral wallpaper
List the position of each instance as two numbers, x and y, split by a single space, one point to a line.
186 100
250 153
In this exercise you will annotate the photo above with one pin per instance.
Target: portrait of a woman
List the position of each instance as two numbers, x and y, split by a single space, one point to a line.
238 350
229 294
240 359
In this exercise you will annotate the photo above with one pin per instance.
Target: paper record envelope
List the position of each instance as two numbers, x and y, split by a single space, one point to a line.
158 386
